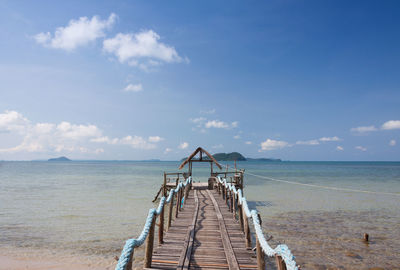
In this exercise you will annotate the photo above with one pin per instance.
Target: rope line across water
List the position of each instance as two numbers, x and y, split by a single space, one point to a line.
130 244
324 187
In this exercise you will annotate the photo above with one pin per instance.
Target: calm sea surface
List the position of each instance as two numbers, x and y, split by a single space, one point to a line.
91 208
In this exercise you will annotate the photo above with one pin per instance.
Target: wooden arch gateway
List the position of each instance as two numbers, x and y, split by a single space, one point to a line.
203 156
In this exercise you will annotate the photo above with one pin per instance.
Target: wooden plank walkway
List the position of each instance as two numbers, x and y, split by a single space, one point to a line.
204 236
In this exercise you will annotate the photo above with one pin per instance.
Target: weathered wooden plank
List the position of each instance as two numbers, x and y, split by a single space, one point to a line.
188 245
230 255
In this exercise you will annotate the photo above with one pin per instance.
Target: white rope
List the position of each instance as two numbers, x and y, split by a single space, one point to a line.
324 187
127 251
281 250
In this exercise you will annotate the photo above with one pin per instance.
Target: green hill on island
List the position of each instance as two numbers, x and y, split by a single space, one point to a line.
59 159
238 157
229 156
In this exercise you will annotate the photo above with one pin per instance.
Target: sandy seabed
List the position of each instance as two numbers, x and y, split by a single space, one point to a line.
334 240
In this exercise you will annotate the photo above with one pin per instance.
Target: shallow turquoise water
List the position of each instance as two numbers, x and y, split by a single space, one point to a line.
92 207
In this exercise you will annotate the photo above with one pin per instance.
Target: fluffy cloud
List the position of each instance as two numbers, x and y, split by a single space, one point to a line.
220 124
142 49
236 137
155 139
329 139
211 111
363 129
63 137
339 148
310 142
167 150
269 145
248 142
133 87
13 121
392 142
137 142
392 124
77 33
218 146
361 148
183 145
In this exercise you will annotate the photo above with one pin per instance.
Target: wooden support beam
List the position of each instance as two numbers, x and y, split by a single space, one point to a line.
240 216
171 207
177 204
231 197
246 229
148 254
280 263
260 253
129 265
235 199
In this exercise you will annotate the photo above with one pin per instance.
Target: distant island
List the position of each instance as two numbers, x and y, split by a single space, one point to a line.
238 157
59 159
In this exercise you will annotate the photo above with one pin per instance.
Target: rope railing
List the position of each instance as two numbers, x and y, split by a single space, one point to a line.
127 252
281 250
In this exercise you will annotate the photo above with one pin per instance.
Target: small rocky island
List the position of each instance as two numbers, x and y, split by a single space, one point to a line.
59 159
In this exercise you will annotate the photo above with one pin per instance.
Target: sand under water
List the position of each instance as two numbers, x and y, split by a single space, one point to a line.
335 240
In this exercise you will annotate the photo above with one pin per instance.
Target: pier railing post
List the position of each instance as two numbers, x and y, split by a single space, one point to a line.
234 205
260 253
161 228
171 207
129 265
240 216
231 197
246 229
177 204
280 263
149 245
226 194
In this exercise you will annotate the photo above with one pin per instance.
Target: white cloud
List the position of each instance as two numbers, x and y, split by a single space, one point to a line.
392 124
142 49
392 142
133 87
220 124
137 142
329 139
218 146
269 145
77 33
167 150
211 111
361 148
76 132
310 142
198 120
63 137
248 142
236 137
13 121
183 145
155 139
339 148
363 129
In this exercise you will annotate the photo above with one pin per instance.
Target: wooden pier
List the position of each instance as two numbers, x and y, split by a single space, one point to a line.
205 228
204 236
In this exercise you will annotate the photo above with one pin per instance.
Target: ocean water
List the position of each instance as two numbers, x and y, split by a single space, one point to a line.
89 208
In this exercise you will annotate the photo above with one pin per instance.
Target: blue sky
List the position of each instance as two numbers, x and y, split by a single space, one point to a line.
297 80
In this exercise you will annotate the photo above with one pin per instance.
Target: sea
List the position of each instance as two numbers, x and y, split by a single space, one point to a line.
86 210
